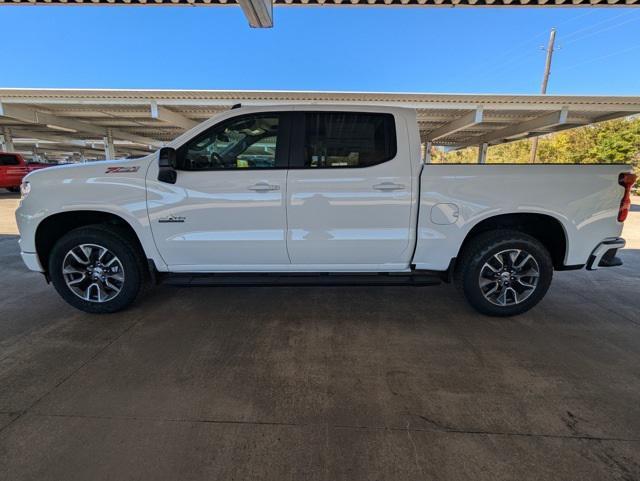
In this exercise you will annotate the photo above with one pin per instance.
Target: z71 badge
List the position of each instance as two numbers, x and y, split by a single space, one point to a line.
121 170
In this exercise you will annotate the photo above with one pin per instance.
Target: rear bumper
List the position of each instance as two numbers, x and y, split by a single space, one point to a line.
604 255
32 261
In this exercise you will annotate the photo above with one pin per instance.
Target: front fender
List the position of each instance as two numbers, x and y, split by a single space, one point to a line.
114 187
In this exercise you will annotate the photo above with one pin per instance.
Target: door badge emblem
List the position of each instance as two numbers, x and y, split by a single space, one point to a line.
121 170
171 218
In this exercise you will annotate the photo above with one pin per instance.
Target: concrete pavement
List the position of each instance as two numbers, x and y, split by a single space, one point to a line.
339 383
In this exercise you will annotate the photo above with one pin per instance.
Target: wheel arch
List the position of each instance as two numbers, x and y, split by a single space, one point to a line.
53 227
549 230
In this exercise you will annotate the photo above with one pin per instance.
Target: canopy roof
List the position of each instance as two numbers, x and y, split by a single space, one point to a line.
259 13
74 120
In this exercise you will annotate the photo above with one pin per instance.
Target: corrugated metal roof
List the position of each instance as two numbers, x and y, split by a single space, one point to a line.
383 3
71 118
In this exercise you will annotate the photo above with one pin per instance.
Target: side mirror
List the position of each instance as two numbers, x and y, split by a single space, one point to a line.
167 163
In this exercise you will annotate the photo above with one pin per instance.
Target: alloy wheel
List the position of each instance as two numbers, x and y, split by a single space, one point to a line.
93 273
509 277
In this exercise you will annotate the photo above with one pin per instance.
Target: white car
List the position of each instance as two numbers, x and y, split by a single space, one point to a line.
311 195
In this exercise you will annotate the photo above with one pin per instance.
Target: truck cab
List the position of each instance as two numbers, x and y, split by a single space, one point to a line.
280 190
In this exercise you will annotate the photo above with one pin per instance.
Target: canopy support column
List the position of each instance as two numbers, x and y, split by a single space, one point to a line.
7 140
109 147
426 154
482 153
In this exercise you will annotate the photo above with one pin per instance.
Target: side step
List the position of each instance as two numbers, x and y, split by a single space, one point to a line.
302 279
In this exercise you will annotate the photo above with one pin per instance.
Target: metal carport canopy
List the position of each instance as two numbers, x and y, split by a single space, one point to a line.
259 13
69 121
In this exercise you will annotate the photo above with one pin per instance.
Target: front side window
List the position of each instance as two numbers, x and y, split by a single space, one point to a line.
8 159
248 142
348 139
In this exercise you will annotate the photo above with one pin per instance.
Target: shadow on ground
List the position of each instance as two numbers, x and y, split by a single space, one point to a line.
325 383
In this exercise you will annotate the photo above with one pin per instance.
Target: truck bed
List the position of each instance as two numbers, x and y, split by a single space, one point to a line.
454 199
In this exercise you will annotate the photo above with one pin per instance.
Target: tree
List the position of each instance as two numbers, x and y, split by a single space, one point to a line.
614 141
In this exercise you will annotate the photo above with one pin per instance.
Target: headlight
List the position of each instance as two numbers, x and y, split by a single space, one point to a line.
25 188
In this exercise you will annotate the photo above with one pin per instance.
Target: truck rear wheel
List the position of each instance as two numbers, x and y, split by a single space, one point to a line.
504 273
96 269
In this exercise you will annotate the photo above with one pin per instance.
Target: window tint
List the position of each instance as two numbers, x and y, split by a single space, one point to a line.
347 139
241 143
7 159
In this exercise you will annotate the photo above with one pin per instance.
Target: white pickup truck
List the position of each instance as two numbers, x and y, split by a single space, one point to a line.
310 194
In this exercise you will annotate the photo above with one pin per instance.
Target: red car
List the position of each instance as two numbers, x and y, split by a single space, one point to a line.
13 168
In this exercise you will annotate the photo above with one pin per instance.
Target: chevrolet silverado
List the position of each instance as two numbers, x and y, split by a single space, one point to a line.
317 194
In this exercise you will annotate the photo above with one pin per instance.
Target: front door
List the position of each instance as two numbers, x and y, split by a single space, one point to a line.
226 210
349 192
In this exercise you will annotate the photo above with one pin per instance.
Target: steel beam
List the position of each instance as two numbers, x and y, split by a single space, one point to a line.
467 121
27 137
523 129
171 117
22 144
54 122
259 13
36 136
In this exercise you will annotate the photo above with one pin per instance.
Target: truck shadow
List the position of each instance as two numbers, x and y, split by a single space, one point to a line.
9 195
8 238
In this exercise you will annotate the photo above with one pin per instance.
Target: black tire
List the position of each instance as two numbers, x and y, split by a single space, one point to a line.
482 249
13 190
118 242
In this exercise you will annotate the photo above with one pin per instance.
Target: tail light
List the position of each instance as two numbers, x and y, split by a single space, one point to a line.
626 180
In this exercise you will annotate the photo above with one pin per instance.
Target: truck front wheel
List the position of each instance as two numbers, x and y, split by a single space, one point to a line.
504 273
96 269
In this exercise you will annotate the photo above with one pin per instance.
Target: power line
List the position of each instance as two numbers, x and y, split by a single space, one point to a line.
595 59
589 27
610 27
505 62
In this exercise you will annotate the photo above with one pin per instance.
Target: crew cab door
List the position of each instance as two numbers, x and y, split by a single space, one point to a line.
226 210
349 200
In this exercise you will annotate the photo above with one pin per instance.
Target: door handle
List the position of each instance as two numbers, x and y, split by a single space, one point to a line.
263 187
388 186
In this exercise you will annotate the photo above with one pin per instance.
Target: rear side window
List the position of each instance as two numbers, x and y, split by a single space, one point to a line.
348 139
8 159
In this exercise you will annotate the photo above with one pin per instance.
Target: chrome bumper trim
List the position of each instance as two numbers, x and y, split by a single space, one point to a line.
601 249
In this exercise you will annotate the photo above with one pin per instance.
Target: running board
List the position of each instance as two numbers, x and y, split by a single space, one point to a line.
301 279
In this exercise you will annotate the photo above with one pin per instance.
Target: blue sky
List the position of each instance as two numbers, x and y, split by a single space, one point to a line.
329 48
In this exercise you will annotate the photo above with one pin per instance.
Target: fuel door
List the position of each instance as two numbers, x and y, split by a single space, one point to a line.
443 214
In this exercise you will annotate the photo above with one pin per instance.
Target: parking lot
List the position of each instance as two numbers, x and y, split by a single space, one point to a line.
331 383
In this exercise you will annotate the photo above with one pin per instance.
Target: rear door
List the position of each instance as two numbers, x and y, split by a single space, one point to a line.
226 210
349 191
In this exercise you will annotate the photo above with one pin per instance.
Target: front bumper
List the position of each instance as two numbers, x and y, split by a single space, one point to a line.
604 255
32 261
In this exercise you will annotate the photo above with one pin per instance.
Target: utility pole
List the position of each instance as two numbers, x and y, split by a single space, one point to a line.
543 90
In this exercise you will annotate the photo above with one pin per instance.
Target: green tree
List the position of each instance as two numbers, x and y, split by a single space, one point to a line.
614 141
